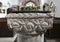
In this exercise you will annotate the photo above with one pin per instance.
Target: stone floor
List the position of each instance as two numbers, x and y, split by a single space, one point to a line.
50 40
13 39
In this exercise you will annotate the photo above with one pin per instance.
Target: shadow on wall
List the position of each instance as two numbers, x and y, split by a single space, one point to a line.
58 40
53 40
5 31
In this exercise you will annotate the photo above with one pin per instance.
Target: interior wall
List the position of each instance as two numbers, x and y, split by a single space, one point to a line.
14 2
57 13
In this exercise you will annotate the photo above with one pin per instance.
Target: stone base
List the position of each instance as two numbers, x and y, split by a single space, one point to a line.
28 38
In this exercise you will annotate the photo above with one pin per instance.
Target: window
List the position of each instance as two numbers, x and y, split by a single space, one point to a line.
30 4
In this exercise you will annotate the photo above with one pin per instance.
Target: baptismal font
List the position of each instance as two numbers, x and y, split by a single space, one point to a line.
31 22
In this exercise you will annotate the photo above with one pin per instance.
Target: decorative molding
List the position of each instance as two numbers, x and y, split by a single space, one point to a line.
26 25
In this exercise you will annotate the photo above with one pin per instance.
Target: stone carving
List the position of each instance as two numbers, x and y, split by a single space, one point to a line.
29 23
